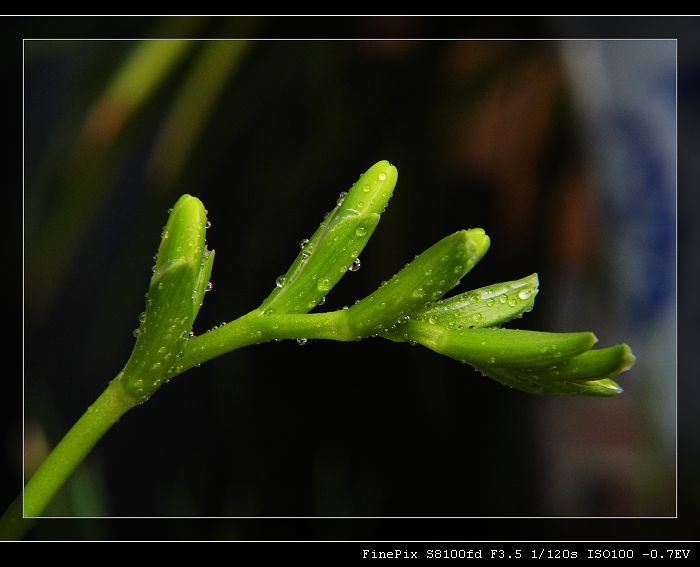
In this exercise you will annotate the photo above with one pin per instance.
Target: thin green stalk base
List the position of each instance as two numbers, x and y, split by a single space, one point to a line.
65 458
12 525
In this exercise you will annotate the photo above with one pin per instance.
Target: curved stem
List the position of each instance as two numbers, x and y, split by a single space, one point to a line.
65 458
115 401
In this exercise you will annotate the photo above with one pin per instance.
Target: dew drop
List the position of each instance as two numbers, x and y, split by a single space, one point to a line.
301 342
418 293
503 298
341 198
355 265
324 284
365 189
490 301
135 333
323 300
477 317
512 302
382 176
525 294
432 320
280 281
303 242
361 231
207 225
209 286
142 317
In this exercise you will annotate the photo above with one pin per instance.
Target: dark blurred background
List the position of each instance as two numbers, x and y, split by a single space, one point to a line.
564 151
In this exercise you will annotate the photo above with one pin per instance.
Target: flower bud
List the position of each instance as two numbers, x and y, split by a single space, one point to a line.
484 307
424 280
176 291
334 247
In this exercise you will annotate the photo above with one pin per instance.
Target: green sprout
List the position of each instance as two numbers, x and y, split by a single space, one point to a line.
409 307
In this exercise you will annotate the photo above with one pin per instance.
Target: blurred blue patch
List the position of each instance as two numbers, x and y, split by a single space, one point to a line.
643 214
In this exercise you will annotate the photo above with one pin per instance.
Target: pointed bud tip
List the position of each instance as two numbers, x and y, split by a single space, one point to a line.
184 234
533 280
188 209
477 243
187 200
372 191
611 386
628 358
479 237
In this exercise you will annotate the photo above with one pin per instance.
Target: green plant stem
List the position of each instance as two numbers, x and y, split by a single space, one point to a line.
65 458
256 327
115 401
12 525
